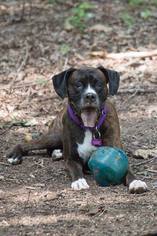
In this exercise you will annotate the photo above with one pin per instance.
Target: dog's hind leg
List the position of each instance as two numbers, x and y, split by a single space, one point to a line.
49 142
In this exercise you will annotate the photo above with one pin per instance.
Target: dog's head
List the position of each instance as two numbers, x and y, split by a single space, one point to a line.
87 89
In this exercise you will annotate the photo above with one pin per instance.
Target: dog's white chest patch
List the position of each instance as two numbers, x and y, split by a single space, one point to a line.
86 148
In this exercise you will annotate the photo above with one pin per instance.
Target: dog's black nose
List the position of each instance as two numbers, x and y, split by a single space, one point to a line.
90 97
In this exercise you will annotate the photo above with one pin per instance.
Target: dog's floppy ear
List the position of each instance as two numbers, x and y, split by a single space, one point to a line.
60 82
113 78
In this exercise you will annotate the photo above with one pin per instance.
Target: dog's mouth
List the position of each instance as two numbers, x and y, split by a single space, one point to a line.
89 116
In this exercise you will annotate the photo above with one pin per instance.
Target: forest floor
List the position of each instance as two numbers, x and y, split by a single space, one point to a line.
35 197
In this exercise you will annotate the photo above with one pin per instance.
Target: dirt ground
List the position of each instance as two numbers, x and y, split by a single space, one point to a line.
35 197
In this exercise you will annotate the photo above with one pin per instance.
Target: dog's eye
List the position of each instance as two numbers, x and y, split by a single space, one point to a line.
99 85
78 85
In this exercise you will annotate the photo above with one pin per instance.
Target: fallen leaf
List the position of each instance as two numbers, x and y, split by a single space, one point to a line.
31 122
93 211
146 153
67 25
101 54
155 184
100 28
28 137
1 177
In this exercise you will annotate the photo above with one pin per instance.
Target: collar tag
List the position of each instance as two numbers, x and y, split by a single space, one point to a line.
97 142
96 139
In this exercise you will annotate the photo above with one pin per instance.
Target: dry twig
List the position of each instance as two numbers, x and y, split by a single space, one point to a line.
22 65
138 90
133 54
4 164
144 162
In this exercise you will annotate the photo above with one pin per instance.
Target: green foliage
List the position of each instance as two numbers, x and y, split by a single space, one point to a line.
64 49
145 14
51 1
80 14
135 2
41 81
142 7
56 1
127 19
154 2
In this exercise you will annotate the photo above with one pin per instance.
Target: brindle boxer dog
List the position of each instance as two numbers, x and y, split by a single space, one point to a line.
88 121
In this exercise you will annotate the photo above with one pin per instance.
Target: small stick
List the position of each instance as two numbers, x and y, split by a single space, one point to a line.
22 65
4 164
23 10
65 63
137 91
31 188
133 54
153 171
144 162
29 192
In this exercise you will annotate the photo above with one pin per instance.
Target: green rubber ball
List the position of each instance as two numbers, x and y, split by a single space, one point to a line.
108 165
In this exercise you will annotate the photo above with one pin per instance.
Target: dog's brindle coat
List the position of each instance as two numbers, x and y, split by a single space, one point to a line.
87 90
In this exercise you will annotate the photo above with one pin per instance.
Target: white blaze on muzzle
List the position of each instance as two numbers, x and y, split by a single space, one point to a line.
89 89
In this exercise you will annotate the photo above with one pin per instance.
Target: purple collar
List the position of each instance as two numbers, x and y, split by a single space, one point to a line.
96 139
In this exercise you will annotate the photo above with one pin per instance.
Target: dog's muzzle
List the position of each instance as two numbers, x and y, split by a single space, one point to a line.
90 98
89 108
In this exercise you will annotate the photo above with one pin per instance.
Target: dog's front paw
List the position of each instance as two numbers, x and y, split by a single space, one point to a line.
15 156
79 184
137 186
